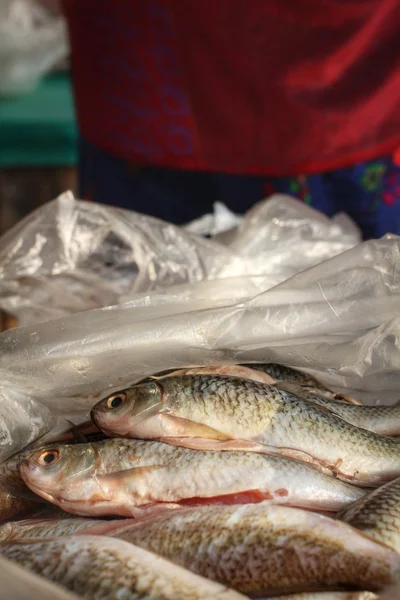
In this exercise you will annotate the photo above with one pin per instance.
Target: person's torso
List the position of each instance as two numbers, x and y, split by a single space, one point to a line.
262 86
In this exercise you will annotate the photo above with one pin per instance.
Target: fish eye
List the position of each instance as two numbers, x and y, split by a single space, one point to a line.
116 400
48 457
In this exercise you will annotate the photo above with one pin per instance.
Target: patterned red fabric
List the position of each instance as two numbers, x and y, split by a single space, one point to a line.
270 87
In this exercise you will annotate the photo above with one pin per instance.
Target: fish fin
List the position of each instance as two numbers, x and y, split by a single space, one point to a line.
178 427
348 399
238 371
106 527
78 435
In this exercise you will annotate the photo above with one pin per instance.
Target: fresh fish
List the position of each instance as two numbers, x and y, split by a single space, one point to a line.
116 476
68 432
266 550
102 568
377 514
329 596
225 413
278 372
392 593
384 420
47 528
17 583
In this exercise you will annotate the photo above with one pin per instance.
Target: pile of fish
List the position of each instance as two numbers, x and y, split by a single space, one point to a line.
223 482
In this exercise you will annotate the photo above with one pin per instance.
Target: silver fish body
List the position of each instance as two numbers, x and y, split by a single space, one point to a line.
216 412
48 528
266 550
117 476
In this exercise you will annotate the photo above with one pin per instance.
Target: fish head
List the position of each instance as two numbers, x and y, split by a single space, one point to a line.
57 472
132 412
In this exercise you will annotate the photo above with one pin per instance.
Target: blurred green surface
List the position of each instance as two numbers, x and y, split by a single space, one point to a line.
39 129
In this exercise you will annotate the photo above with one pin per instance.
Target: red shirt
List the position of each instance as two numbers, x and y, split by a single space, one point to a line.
269 87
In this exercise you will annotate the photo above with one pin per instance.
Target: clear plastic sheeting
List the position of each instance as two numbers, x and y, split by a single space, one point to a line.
339 320
22 421
70 256
32 41
284 231
221 221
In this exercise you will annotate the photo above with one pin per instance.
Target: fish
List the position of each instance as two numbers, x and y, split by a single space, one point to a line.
391 593
47 528
384 420
118 476
286 378
377 514
226 413
99 567
20 584
266 550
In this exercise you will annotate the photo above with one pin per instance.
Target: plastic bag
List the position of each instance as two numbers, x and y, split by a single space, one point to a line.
70 256
221 221
32 41
338 320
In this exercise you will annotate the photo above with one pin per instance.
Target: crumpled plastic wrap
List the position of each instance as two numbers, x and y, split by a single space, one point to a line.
70 255
22 421
339 320
32 41
172 298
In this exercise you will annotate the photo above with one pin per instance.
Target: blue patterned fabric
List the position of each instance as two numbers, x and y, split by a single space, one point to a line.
369 192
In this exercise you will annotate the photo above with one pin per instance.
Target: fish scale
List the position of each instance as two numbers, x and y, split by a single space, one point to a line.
116 476
283 373
263 549
101 568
